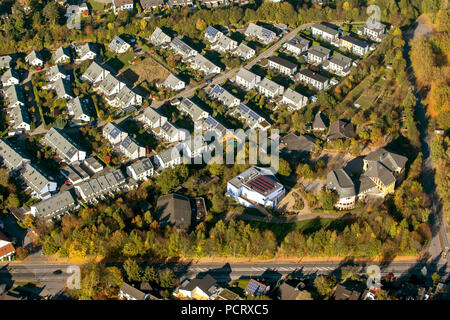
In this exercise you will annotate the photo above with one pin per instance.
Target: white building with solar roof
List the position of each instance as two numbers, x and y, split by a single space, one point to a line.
140 170
251 118
222 95
256 186
64 147
131 148
113 134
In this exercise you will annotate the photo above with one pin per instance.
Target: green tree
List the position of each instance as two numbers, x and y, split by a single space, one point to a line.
284 168
324 284
304 295
133 271
435 278
327 199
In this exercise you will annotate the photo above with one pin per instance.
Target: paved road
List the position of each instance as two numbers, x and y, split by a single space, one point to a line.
436 222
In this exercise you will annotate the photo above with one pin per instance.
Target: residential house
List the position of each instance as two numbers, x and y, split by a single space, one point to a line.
251 118
338 64
128 292
110 85
56 206
294 146
63 89
159 37
113 134
214 128
78 109
293 99
119 5
171 133
6 61
179 3
125 98
341 129
132 149
222 95
264 35
282 65
318 54
10 77
224 44
86 51
95 73
212 34
225 294
140 170
325 32
55 73
247 79
375 31
118 45
11 157
34 58
39 185
286 291
20 119
270 88
181 48
342 293
296 45
14 96
173 83
198 289
61 55
63 146
101 186
174 210
244 51
199 62
193 149
152 118
169 157
341 183
194 111
310 77
149 5
256 186
354 45
256 288
93 165
319 122
7 250
381 170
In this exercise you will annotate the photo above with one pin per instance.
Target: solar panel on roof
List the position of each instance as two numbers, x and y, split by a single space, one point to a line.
114 132
253 115
255 287
126 143
211 121
243 108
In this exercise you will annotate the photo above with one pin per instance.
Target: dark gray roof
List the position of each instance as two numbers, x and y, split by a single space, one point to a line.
312 75
355 41
340 181
132 291
174 209
390 160
300 143
340 130
379 171
282 62
298 42
319 121
207 284
288 292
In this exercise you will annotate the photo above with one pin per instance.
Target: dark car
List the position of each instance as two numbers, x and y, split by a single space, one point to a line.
57 271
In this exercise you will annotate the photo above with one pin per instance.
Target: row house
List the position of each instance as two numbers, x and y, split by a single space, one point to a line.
131 149
224 44
325 32
244 52
264 35
78 109
354 45
10 77
269 88
247 79
251 118
338 64
309 77
294 100
55 73
86 51
14 96
140 170
199 62
97 188
192 110
11 157
169 157
56 206
212 34
64 147
318 54
34 58
113 134
181 48
172 83
19 118
375 31
159 37
37 183
95 73
282 65
296 45
62 55
222 95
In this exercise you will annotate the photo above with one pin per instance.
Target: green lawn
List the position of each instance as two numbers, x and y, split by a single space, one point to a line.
96 6
238 286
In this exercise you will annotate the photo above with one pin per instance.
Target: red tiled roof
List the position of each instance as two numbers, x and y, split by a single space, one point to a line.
6 249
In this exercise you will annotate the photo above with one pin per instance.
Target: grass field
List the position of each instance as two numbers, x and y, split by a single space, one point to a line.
148 70
96 6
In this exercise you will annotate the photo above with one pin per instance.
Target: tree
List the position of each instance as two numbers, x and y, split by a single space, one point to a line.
114 277
324 284
435 278
284 168
167 279
304 295
51 12
305 171
150 275
327 199
200 25
133 271
216 169
29 221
